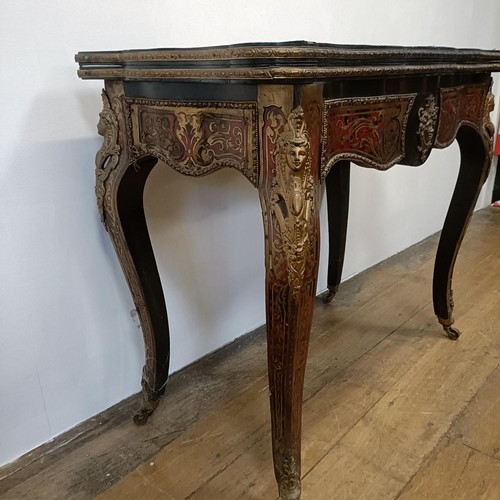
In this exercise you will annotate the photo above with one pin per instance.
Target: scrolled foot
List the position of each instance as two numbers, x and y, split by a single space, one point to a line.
453 333
327 297
143 414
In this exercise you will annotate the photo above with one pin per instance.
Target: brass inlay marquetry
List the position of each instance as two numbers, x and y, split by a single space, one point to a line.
459 105
196 138
368 130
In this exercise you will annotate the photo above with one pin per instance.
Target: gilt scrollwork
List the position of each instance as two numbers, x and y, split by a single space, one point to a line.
108 155
427 120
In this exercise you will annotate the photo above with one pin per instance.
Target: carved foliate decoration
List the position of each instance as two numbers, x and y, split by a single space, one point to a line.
196 138
292 198
368 130
108 155
459 105
427 120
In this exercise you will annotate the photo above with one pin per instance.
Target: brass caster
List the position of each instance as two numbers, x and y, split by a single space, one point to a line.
327 297
453 333
142 416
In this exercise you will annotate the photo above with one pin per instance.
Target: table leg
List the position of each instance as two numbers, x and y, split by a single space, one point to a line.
475 149
337 192
289 199
119 190
145 284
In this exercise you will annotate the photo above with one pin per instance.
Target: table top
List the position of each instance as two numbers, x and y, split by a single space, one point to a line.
282 61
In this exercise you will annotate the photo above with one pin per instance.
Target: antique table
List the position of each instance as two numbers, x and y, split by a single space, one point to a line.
289 117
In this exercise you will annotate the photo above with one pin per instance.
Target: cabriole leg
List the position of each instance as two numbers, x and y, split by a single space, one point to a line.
119 190
475 150
144 282
289 199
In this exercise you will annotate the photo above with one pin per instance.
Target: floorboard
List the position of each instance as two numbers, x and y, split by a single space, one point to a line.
392 408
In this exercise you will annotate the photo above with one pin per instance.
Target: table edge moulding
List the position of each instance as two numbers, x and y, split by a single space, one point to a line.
290 117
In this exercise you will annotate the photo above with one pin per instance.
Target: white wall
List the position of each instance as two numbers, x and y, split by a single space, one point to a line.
69 345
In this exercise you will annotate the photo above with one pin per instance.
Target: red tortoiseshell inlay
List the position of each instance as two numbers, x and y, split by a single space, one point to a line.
369 130
459 105
196 139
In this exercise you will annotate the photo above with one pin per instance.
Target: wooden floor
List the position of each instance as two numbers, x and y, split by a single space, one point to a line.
393 409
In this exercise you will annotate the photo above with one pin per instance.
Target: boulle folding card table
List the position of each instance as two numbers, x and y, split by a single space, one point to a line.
290 117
